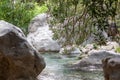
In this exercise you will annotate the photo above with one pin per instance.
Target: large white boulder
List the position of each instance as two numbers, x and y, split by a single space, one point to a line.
40 35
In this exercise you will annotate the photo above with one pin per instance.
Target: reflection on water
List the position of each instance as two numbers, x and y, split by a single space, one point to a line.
55 70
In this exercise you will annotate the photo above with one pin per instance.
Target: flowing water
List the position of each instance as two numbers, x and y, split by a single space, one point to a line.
55 70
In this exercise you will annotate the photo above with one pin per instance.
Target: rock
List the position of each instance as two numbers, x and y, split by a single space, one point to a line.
18 59
89 40
105 34
76 51
70 50
110 46
114 44
111 68
38 21
92 62
92 37
41 37
87 48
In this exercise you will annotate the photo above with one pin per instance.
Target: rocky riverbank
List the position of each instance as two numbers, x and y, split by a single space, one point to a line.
89 54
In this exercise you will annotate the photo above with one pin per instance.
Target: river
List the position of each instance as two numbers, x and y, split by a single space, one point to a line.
55 70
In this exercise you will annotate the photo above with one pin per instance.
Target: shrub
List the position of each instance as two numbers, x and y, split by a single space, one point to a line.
118 50
19 13
95 46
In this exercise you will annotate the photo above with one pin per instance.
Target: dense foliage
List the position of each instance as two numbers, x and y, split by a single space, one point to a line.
80 18
20 12
77 18
101 11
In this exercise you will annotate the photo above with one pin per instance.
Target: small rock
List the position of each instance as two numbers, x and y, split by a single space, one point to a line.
70 50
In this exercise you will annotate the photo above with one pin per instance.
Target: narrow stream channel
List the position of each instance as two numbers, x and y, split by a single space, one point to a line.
55 70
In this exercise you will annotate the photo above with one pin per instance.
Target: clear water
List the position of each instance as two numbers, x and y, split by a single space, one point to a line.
55 70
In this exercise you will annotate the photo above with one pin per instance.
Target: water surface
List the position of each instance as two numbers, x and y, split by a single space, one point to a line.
55 70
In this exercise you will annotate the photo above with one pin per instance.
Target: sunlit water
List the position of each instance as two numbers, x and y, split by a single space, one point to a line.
55 70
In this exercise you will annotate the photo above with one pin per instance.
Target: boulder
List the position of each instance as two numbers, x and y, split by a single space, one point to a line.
18 59
40 35
111 68
93 61
38 21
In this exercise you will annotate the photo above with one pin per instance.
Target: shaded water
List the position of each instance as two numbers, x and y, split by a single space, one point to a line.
55 70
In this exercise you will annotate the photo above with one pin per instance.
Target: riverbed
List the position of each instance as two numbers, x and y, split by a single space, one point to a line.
55 69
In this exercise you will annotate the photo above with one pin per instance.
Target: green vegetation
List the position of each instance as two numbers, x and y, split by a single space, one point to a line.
118 49
20 13
77 18
80 18
95 46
